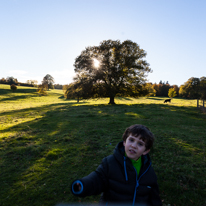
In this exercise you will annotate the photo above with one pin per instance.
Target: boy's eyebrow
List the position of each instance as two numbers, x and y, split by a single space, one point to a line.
140 139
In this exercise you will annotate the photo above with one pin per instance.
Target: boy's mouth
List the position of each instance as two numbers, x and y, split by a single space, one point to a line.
132 151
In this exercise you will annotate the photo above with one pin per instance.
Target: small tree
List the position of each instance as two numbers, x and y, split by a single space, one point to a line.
48 81
150 90
42 90
13 87
172 93
176 88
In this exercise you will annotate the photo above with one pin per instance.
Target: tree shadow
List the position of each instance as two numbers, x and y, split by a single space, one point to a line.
5 91
27 90
28 93
61 97
14 98
81 101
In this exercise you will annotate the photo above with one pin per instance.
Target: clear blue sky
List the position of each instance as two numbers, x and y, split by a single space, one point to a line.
39 37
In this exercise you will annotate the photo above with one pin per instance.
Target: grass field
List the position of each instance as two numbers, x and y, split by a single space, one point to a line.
46 142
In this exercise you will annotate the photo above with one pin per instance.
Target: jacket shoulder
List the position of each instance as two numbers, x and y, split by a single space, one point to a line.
109 165
107 161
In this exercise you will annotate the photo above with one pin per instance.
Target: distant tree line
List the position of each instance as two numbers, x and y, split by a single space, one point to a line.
8 80
194 88
58 86
47 83
11 80
163 88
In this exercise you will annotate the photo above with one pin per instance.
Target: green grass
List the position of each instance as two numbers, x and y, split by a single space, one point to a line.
46 142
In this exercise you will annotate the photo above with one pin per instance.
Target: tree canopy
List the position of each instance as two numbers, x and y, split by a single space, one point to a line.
112 68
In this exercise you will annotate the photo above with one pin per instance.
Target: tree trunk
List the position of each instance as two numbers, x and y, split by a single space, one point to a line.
111 100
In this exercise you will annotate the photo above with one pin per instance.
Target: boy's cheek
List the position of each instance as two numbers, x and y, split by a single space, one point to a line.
146 152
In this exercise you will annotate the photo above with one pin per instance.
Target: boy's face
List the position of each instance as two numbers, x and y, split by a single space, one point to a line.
135 147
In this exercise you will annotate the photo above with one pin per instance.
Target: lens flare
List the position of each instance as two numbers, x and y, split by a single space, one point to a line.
96 62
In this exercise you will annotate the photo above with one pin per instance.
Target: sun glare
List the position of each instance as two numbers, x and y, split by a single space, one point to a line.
96 62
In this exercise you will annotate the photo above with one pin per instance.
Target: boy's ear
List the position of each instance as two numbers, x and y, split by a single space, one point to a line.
124 143
146 152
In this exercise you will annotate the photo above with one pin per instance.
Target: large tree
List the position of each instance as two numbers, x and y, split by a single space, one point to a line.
48 81
121 70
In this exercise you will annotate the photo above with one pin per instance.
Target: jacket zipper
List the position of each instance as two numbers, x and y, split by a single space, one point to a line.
137 182
125 170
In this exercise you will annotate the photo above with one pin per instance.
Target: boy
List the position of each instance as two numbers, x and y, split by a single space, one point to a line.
126 176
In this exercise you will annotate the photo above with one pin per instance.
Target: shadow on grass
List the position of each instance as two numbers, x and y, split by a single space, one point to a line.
28 93
43 156
61 97
27 90
5 91
14 98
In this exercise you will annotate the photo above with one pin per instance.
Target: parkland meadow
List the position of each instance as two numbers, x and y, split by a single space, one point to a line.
46 142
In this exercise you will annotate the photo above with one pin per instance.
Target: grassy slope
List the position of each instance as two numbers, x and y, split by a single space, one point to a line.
47 141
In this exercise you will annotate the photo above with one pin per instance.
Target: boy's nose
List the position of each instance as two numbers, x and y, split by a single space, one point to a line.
134 145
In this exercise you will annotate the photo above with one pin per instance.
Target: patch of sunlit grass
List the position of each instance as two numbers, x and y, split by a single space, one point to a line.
135 115
185 145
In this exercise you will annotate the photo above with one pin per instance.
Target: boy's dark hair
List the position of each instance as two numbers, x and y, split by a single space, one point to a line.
142 131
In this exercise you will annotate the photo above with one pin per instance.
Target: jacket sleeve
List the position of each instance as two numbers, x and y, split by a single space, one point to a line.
155 198
94 183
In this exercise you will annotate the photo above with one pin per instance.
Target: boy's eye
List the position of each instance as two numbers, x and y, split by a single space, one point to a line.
131 140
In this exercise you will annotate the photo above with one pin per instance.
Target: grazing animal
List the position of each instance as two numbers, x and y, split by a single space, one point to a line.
167 100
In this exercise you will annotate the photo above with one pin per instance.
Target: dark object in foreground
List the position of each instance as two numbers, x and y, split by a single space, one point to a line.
167 100
93 204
